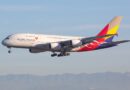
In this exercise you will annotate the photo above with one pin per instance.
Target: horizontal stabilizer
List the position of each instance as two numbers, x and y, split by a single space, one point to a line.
119 42
112 44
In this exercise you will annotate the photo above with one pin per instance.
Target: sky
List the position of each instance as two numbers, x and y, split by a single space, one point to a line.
69 18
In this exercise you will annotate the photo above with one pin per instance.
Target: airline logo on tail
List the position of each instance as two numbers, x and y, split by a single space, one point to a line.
111 28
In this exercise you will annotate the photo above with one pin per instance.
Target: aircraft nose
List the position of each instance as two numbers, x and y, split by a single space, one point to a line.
4 42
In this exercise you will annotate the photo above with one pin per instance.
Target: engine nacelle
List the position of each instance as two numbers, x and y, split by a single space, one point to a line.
48 46
55 46
76 43
36 50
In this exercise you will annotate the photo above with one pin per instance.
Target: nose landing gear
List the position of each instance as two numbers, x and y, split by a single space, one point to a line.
9 51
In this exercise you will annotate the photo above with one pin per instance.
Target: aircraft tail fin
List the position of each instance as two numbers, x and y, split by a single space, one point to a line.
111 28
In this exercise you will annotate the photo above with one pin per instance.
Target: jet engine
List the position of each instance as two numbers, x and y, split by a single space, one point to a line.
76 43
55 46
48 46
36 50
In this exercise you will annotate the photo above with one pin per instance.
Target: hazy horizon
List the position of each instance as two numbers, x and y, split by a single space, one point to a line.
97 81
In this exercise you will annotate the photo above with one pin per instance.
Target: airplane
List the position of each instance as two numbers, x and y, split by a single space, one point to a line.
64 45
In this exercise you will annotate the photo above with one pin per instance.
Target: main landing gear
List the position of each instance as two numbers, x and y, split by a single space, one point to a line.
60 54
54 54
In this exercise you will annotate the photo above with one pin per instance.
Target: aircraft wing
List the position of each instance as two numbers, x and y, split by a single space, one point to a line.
119 42
90 39
65 46
68 44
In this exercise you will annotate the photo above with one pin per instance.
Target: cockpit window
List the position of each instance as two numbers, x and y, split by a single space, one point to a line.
8 37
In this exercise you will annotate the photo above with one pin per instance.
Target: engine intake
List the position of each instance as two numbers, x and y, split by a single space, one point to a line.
76 43
55 46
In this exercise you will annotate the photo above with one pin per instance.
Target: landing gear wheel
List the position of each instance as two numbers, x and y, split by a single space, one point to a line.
59 55
67 54
53 55
63 54
9 51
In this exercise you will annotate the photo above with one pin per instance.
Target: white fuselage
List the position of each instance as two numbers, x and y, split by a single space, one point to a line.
30 40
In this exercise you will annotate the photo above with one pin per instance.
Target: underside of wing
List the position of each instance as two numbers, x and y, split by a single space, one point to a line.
67 45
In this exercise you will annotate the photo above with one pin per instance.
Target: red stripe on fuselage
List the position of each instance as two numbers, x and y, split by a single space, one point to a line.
95 44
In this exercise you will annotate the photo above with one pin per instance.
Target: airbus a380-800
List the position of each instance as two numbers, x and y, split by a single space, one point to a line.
63 45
